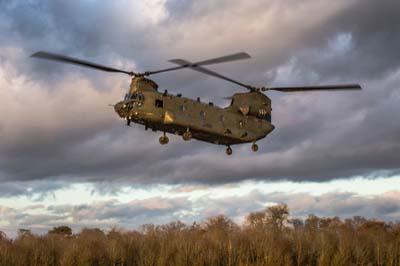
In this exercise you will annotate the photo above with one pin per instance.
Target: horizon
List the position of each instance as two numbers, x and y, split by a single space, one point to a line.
66 158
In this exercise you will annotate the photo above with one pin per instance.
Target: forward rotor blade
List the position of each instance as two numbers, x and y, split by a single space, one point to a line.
315 88
75 61
217 60
198 68
223 59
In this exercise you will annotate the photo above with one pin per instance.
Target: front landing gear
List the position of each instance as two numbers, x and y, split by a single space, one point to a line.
229 150
187 135
128 120
254 147
164 139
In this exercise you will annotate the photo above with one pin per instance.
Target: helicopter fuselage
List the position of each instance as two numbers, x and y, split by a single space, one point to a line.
178 115
247 119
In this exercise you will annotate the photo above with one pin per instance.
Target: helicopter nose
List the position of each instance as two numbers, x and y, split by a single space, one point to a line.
119 109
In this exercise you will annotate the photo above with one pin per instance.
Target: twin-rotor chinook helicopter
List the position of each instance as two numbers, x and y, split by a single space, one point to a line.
246 120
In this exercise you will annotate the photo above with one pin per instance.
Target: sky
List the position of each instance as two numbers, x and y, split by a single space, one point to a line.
66 158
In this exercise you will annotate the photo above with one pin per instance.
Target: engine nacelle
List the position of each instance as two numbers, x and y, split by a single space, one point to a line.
253 104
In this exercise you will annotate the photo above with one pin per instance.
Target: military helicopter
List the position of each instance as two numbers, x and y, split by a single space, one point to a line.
246 120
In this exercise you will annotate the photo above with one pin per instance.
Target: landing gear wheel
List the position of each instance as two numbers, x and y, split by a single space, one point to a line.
187 136
229 151
163 140
128 121
254 147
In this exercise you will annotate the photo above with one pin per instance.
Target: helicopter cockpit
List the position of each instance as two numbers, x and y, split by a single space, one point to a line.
131 100
134 98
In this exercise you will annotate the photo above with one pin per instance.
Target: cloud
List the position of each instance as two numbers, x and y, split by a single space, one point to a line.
106 213
55 123
35 190
344 205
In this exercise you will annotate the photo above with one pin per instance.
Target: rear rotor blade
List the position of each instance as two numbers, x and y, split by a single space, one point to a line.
75 61
217 60
314 88
198 68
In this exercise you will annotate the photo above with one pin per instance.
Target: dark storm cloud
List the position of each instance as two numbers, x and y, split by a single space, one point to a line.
374 27
108 32
61 127
35 190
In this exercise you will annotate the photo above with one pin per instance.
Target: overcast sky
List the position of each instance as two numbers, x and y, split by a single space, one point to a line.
66 157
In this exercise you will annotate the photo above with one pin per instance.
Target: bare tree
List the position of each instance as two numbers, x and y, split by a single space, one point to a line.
268 237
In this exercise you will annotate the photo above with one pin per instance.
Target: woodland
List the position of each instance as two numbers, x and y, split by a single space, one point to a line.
269 237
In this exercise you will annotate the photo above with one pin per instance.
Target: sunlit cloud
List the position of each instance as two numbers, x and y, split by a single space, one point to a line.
66 158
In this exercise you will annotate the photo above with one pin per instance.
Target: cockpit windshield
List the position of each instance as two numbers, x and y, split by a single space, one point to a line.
136 98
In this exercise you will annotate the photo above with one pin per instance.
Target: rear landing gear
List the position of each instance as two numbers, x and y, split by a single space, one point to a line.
229 150
254 147
163 139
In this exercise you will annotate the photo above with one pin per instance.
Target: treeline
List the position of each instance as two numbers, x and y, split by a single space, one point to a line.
267 238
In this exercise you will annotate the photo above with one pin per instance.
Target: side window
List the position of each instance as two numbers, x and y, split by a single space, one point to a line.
202 114
159 103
